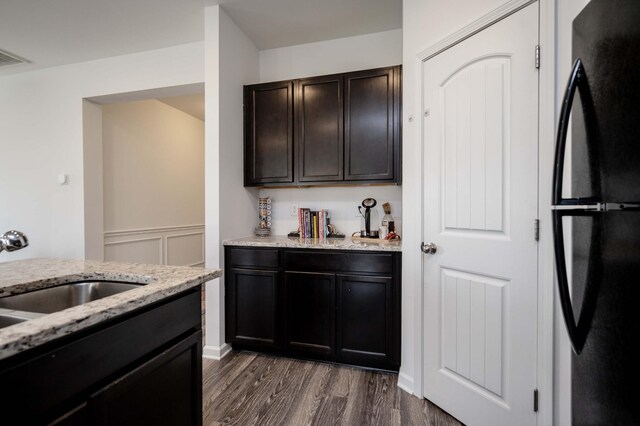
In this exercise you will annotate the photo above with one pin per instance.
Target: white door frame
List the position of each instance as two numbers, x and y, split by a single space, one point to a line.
546 128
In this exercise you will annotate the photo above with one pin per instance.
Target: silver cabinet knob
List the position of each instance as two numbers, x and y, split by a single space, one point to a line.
428 248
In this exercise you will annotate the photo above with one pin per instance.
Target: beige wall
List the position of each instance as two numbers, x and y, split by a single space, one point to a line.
153 161
153 158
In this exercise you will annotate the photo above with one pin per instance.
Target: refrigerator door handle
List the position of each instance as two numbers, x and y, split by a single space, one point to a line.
563 282
561 138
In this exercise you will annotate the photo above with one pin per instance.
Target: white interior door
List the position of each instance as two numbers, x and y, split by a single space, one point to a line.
480 145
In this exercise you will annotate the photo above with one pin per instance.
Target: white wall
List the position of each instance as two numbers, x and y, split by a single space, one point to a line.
231 61
332 56
153 158
329 57
342 204
41 117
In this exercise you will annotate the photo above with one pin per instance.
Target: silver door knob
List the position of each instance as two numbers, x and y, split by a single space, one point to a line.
428 248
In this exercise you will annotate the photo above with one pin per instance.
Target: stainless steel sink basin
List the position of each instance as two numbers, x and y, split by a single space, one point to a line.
10 317
7 320
54 299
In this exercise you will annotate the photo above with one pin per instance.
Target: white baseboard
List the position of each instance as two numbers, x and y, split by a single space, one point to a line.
406 383
215 352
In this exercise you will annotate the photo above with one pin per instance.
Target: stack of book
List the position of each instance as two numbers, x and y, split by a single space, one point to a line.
313 224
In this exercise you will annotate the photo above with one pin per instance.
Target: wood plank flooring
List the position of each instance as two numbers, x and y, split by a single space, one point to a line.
252 389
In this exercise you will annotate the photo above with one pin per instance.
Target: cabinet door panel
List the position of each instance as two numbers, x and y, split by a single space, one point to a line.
252 307
310 313
269 133
371 124
319 121
166 390
365 329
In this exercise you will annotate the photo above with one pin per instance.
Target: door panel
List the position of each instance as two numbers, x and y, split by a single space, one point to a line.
310 320
319 121
473 325
371 131
268 133
362 297
252 304
166 390
480 202
475 145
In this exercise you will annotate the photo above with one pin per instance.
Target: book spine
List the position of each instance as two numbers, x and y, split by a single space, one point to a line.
315 224
307 223
326 222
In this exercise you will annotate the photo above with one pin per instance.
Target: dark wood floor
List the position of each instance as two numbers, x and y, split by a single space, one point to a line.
248 389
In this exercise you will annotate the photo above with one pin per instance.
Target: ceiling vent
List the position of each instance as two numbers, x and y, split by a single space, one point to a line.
9 59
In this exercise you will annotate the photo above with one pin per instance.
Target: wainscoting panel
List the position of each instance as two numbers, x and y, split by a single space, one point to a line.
177 245
185 249
135 250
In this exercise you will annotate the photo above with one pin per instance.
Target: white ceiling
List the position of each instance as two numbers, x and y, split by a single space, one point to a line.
56 32
278 23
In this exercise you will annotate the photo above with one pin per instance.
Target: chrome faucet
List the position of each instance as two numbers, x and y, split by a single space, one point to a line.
13 240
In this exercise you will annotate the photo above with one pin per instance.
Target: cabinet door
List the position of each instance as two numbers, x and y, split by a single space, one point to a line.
372 124
319 135
252 308
268 133
365 320
166 390
310 313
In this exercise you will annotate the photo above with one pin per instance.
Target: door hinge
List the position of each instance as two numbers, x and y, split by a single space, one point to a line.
535 400
536 229
537 56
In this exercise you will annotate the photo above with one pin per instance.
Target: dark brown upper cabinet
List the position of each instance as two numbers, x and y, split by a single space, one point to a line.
344 129
268 151
372 125
319 134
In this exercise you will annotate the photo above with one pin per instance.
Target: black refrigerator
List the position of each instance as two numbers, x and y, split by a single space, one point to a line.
600 297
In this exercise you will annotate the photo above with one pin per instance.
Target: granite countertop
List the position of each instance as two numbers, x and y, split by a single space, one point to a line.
314 243
27 275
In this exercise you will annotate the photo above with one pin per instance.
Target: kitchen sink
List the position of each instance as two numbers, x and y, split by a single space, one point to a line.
54 299
7 320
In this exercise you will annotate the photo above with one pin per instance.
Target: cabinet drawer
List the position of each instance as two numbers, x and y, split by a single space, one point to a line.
257 258
318 260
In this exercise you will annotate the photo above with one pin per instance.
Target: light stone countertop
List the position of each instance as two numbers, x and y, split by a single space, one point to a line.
314 243
27 275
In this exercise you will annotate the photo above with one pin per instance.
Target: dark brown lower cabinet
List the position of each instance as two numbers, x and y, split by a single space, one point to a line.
331 305
147 395
141 368
252 307
365 328
310 313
